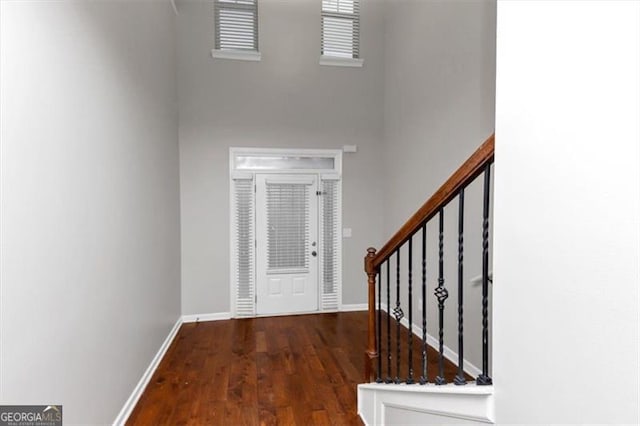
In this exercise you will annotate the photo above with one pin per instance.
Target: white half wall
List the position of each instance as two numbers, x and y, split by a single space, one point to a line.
567 212
430 404
90 262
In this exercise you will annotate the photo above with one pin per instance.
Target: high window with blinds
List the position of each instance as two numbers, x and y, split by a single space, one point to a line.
236 26
341 29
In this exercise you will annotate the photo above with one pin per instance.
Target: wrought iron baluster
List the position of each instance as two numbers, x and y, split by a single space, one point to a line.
484 379
423 378
379 329
441 294
388 380
460 379
397 312
409 329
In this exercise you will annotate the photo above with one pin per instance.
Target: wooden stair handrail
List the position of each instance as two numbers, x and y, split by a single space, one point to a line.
459 179
372 261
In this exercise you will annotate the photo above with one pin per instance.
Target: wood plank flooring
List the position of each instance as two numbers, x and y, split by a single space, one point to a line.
294 370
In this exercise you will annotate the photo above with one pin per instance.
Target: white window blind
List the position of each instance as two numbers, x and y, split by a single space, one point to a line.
329 244
341 28
236 25
243 244
287 227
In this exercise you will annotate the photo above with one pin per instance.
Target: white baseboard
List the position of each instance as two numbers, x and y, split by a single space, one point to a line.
128 407
432 341
218 316
354 307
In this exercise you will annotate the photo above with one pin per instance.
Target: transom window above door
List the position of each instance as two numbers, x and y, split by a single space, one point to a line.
248 159
280 162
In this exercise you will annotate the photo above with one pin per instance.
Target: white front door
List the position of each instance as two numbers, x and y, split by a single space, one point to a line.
287 243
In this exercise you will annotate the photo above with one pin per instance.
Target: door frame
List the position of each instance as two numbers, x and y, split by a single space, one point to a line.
237 170
287 276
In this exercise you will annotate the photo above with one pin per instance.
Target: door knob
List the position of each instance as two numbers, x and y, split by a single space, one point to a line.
314 253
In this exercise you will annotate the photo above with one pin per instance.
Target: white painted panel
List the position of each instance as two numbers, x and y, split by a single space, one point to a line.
428 404
394 415
275 287
299 285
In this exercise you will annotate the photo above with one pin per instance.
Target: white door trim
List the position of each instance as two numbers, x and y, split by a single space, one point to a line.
246 173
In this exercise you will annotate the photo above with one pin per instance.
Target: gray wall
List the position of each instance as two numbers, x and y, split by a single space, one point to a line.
285 100
90 219
439 95
423 102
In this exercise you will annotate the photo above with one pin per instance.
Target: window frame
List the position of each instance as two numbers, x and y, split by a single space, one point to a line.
332 60
238 54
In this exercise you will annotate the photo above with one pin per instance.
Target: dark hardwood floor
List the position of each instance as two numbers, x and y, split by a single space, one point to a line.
294 370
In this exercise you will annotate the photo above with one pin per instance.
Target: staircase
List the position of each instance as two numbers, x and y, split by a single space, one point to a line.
427 362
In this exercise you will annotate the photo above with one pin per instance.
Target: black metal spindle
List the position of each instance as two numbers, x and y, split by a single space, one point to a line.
460 379
388 380
409 329
379 329
423 378
441 294
397 312
484 379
